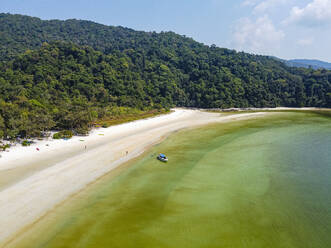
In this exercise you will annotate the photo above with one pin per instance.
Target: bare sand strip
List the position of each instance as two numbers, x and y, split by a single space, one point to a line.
36 181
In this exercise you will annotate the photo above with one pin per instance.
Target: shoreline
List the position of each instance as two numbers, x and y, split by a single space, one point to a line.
272 109
46 178
17 150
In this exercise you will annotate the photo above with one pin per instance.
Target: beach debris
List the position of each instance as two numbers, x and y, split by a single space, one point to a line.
37 149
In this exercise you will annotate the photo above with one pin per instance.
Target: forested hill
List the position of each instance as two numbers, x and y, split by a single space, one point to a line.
19 32
65 74
309 63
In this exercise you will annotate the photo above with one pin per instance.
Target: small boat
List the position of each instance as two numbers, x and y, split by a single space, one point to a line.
162 157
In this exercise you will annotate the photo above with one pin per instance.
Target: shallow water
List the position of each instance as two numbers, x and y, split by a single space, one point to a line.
255 183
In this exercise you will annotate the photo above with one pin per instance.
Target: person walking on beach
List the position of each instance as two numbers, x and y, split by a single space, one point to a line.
85 147
127 153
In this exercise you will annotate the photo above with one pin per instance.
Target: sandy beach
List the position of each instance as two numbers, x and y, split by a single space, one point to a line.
33 182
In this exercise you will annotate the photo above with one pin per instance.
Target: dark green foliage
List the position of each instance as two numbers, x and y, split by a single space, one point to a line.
65 134
64 86
3 147
68 74
26 143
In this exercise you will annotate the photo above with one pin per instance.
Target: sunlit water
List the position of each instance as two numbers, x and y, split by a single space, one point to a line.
256 183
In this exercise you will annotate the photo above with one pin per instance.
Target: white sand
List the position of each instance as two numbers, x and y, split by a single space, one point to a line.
33 182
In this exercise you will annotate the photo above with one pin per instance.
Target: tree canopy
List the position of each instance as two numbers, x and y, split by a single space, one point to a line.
66 74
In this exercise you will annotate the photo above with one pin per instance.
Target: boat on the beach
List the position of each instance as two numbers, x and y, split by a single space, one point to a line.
162 157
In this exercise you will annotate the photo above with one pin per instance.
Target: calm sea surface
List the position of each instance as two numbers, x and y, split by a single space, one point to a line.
255 183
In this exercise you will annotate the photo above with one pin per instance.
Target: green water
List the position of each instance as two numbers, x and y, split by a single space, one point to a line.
255 183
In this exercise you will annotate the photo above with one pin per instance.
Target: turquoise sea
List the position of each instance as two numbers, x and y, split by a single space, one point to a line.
263 182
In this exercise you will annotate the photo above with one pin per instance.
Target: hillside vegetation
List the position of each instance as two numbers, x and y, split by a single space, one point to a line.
68 74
